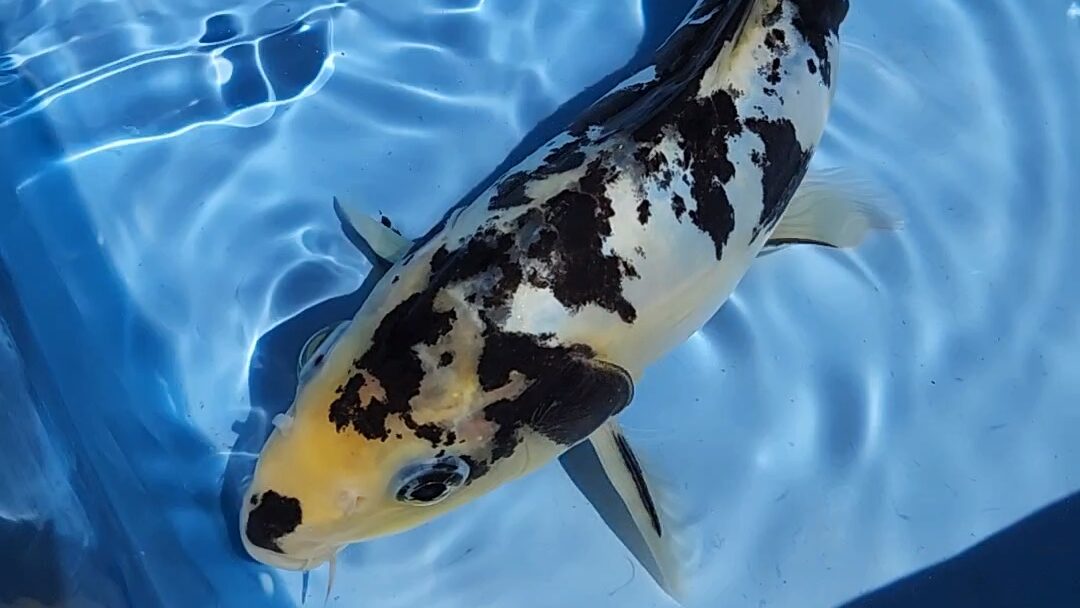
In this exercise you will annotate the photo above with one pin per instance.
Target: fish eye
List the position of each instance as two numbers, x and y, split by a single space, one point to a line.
314 350
431 481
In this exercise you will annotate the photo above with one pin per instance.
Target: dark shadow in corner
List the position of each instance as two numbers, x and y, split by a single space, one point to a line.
272 379
32 563
1035 562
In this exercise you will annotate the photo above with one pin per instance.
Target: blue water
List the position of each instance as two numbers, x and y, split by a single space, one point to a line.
167 243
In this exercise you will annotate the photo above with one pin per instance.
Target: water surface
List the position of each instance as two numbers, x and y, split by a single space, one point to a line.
848 417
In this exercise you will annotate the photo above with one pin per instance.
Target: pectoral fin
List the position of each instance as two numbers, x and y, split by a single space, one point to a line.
834 208
610 476
380 243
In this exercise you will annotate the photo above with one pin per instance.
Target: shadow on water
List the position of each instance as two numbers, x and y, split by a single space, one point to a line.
98 372
89 407
31 551
1031 563
32 563
273 368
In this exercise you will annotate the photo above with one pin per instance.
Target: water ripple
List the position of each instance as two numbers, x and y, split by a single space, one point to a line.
902 401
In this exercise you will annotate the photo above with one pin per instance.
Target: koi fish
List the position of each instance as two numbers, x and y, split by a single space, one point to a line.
513 333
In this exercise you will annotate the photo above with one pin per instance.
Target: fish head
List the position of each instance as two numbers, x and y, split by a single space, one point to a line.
399 421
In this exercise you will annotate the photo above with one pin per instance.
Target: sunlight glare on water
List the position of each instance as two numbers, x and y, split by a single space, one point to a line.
848 417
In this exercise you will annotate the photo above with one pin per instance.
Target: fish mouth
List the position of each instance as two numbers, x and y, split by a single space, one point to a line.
288 561
297 554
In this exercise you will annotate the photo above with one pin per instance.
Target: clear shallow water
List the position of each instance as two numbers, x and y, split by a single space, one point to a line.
847 418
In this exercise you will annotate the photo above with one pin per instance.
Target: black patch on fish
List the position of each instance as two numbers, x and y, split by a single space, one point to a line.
428 432
810 65
704 126
394 362
782 167
634 467
816 21
477 467
655 164
510 190
776 41
367 419
571 247
488 252
643 212
563 159
771 72
565 253
273 517
446 359
568 396
678 205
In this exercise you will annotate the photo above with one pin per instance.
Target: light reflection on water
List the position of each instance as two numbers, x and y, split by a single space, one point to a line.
901 401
